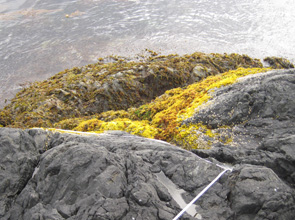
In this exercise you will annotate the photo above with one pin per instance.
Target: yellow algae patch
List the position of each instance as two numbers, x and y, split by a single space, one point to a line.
161 118
72 123
191 137
199 136
111 115
140 128
69 124
169 110
203 88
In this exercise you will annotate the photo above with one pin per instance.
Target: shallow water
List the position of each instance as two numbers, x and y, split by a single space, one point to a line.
39 38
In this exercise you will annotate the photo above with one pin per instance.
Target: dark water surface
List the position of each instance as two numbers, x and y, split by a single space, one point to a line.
39 38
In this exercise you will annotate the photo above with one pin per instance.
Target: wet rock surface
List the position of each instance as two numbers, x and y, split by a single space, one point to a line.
114 176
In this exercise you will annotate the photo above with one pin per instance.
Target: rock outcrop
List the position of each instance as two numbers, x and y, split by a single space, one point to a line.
259 113
115 175
243 119
116 85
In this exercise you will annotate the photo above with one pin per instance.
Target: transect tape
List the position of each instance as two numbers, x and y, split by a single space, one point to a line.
201 193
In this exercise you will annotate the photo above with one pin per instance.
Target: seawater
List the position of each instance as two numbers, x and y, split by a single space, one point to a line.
39 38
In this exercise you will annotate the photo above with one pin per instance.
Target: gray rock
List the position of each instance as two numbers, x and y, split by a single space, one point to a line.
93 177
249 192
260 111
255 191
109 176
264 95
19 156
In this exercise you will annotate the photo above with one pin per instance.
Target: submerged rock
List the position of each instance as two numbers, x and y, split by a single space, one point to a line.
115 176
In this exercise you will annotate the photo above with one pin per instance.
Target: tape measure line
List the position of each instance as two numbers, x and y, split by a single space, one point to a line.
200 194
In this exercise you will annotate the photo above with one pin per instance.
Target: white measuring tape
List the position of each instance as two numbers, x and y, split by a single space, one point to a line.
201 193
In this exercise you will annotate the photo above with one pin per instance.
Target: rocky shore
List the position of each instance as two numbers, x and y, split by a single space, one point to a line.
115 83
115 175
234 117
